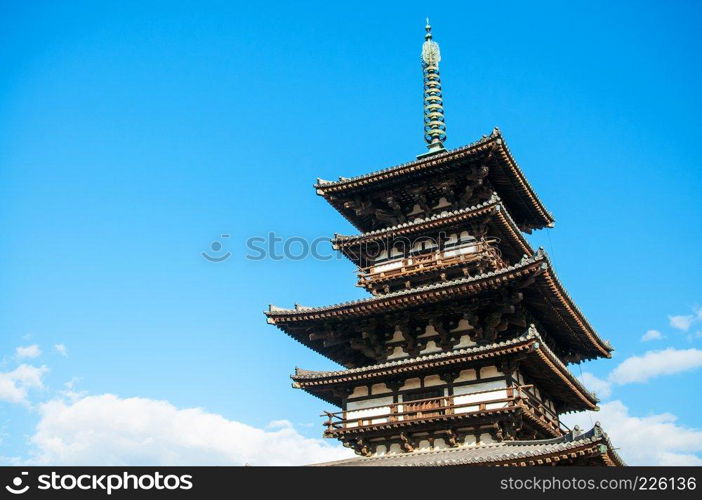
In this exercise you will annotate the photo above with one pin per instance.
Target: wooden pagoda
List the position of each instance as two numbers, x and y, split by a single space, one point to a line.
459 354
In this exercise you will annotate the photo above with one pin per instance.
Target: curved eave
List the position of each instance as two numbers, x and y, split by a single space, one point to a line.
288 320
493 207
514 176
570 311
505 173
531 344
582 335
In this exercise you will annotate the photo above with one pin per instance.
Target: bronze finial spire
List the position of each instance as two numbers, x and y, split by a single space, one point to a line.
434 123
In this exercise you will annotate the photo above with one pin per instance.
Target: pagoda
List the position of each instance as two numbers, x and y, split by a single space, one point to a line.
459 354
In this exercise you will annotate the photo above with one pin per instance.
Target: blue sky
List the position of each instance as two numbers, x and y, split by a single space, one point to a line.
133 135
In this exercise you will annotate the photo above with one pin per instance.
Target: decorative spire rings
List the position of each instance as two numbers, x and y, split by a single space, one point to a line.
434 123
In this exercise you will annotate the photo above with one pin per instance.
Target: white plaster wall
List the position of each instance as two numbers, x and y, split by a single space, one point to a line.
430 347
359 391
411 383
480 397
481 386
368 403
397 353
387 266
429 331
361 409
539 396
470 440
379 389
470 398
395 448
452 252
396 336
440 444
462 325
464 341
494 406
466 375
486 438
416 209
433 380
443 202
490 371
460 250
549 404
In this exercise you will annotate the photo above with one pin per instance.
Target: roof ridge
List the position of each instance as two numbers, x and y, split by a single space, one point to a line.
495 134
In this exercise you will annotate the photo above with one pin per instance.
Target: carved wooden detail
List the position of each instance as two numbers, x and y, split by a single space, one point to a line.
408 444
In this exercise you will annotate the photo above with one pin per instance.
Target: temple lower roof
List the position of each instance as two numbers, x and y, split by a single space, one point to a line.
505 175
548 298
593 446
571 394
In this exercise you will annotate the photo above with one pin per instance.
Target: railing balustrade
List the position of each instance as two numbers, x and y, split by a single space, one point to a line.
441 406
483 251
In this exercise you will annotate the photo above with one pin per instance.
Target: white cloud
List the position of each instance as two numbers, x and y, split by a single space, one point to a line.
651 335
70 392
642 368
108 430
651 440
601 388
15 385
683 322
655 363
61 349
30 351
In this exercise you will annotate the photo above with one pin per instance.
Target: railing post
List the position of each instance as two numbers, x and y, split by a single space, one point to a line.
329 422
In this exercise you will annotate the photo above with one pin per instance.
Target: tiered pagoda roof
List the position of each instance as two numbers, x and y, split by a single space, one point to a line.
537 360
512 240
593 447
544 293
504 174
